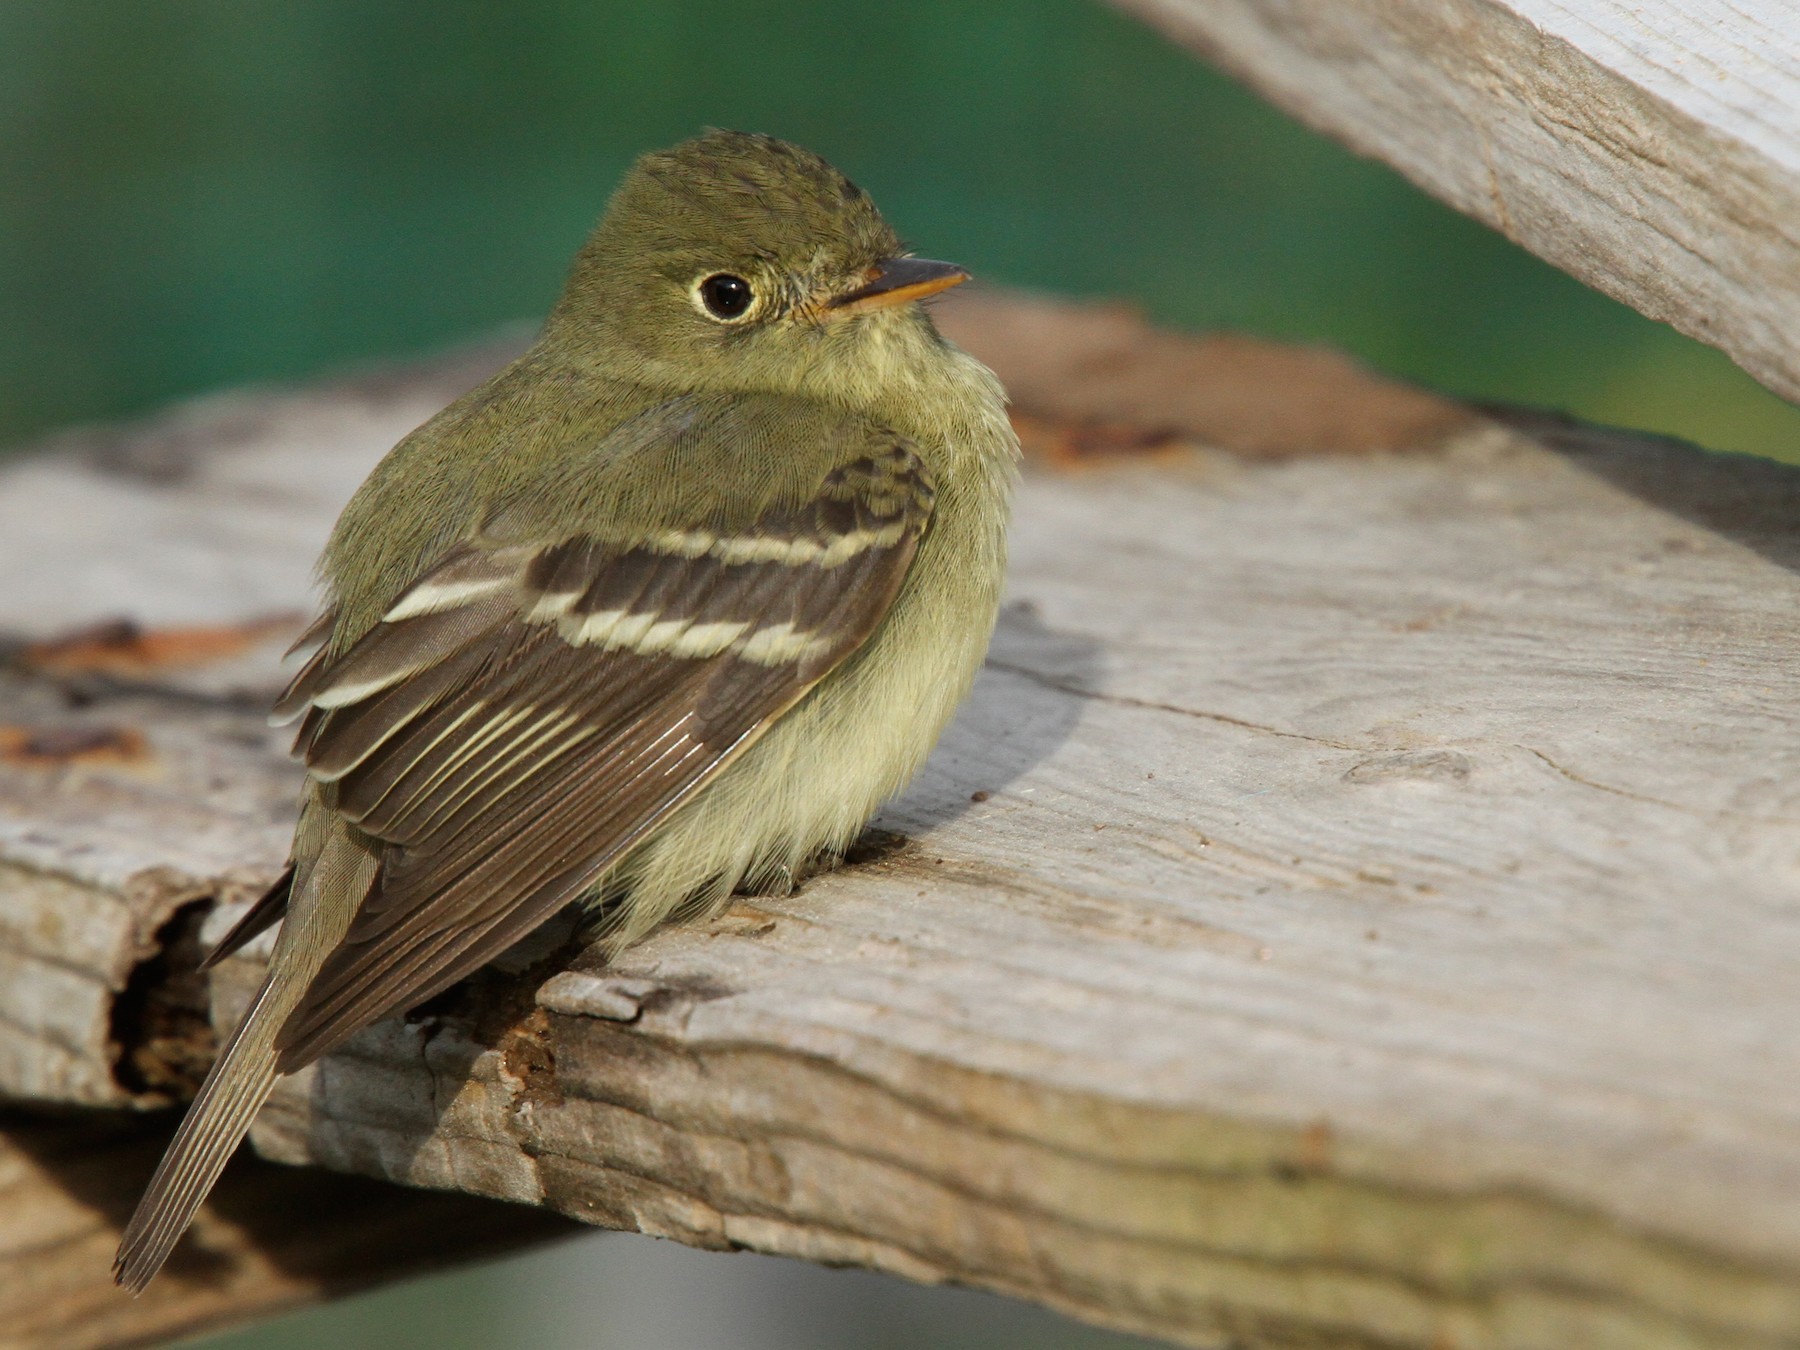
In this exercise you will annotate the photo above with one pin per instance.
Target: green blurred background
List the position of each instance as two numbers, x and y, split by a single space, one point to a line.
199 193
204 192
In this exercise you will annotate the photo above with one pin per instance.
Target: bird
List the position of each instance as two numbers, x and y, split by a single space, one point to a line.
664 610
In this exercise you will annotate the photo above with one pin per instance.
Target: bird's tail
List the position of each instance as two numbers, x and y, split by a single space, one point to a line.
209 1133
244 1074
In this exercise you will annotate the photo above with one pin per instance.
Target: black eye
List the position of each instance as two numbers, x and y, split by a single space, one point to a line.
725 296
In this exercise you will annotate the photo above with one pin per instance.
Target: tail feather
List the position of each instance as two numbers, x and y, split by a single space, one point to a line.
327 895
210 1133
263 915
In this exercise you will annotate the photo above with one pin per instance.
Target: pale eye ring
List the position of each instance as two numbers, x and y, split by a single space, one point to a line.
725 296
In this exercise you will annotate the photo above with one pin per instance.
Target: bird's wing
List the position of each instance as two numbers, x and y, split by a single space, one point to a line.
268 911
271 908
524 712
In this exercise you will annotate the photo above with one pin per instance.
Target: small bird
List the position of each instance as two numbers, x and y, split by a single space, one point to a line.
665 609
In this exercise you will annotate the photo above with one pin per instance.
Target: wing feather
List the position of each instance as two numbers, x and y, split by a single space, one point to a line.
269 909
524 713
297 697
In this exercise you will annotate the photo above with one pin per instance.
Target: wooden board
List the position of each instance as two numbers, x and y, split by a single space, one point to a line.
271 1238
1358 906
1649 147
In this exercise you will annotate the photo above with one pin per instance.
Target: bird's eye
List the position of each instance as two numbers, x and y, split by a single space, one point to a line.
726 296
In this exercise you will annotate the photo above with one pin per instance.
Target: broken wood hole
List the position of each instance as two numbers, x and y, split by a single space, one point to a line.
161 1022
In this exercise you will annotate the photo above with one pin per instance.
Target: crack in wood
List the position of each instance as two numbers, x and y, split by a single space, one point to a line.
1048 681
1698 812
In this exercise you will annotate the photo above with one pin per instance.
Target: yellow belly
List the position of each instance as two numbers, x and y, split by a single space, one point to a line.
813 780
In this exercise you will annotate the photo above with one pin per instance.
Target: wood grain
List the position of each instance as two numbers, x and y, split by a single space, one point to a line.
272 1238
1651 148
1359 905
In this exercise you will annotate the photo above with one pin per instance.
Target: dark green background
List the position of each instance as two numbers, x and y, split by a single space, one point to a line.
198 193
202 193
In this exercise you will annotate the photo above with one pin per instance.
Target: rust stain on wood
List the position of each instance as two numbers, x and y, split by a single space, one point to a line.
1062 443
526 1050
1315 1147
58 746
124 647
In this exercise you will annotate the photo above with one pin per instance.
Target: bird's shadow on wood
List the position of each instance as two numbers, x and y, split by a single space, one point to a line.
1024 706
1752 502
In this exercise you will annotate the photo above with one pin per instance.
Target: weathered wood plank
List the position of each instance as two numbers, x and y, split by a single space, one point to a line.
1358 905
270 1239
1649 147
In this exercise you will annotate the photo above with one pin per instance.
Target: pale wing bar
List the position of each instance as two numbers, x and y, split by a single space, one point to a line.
523 714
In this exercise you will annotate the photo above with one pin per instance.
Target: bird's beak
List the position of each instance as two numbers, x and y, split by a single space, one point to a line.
897 281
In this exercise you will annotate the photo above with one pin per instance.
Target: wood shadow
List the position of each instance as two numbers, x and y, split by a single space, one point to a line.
1750 501
269 1237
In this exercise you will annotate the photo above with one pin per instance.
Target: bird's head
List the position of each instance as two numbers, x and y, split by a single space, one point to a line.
738 261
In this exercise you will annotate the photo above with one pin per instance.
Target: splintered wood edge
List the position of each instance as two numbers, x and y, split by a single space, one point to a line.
1647 149
271 1238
